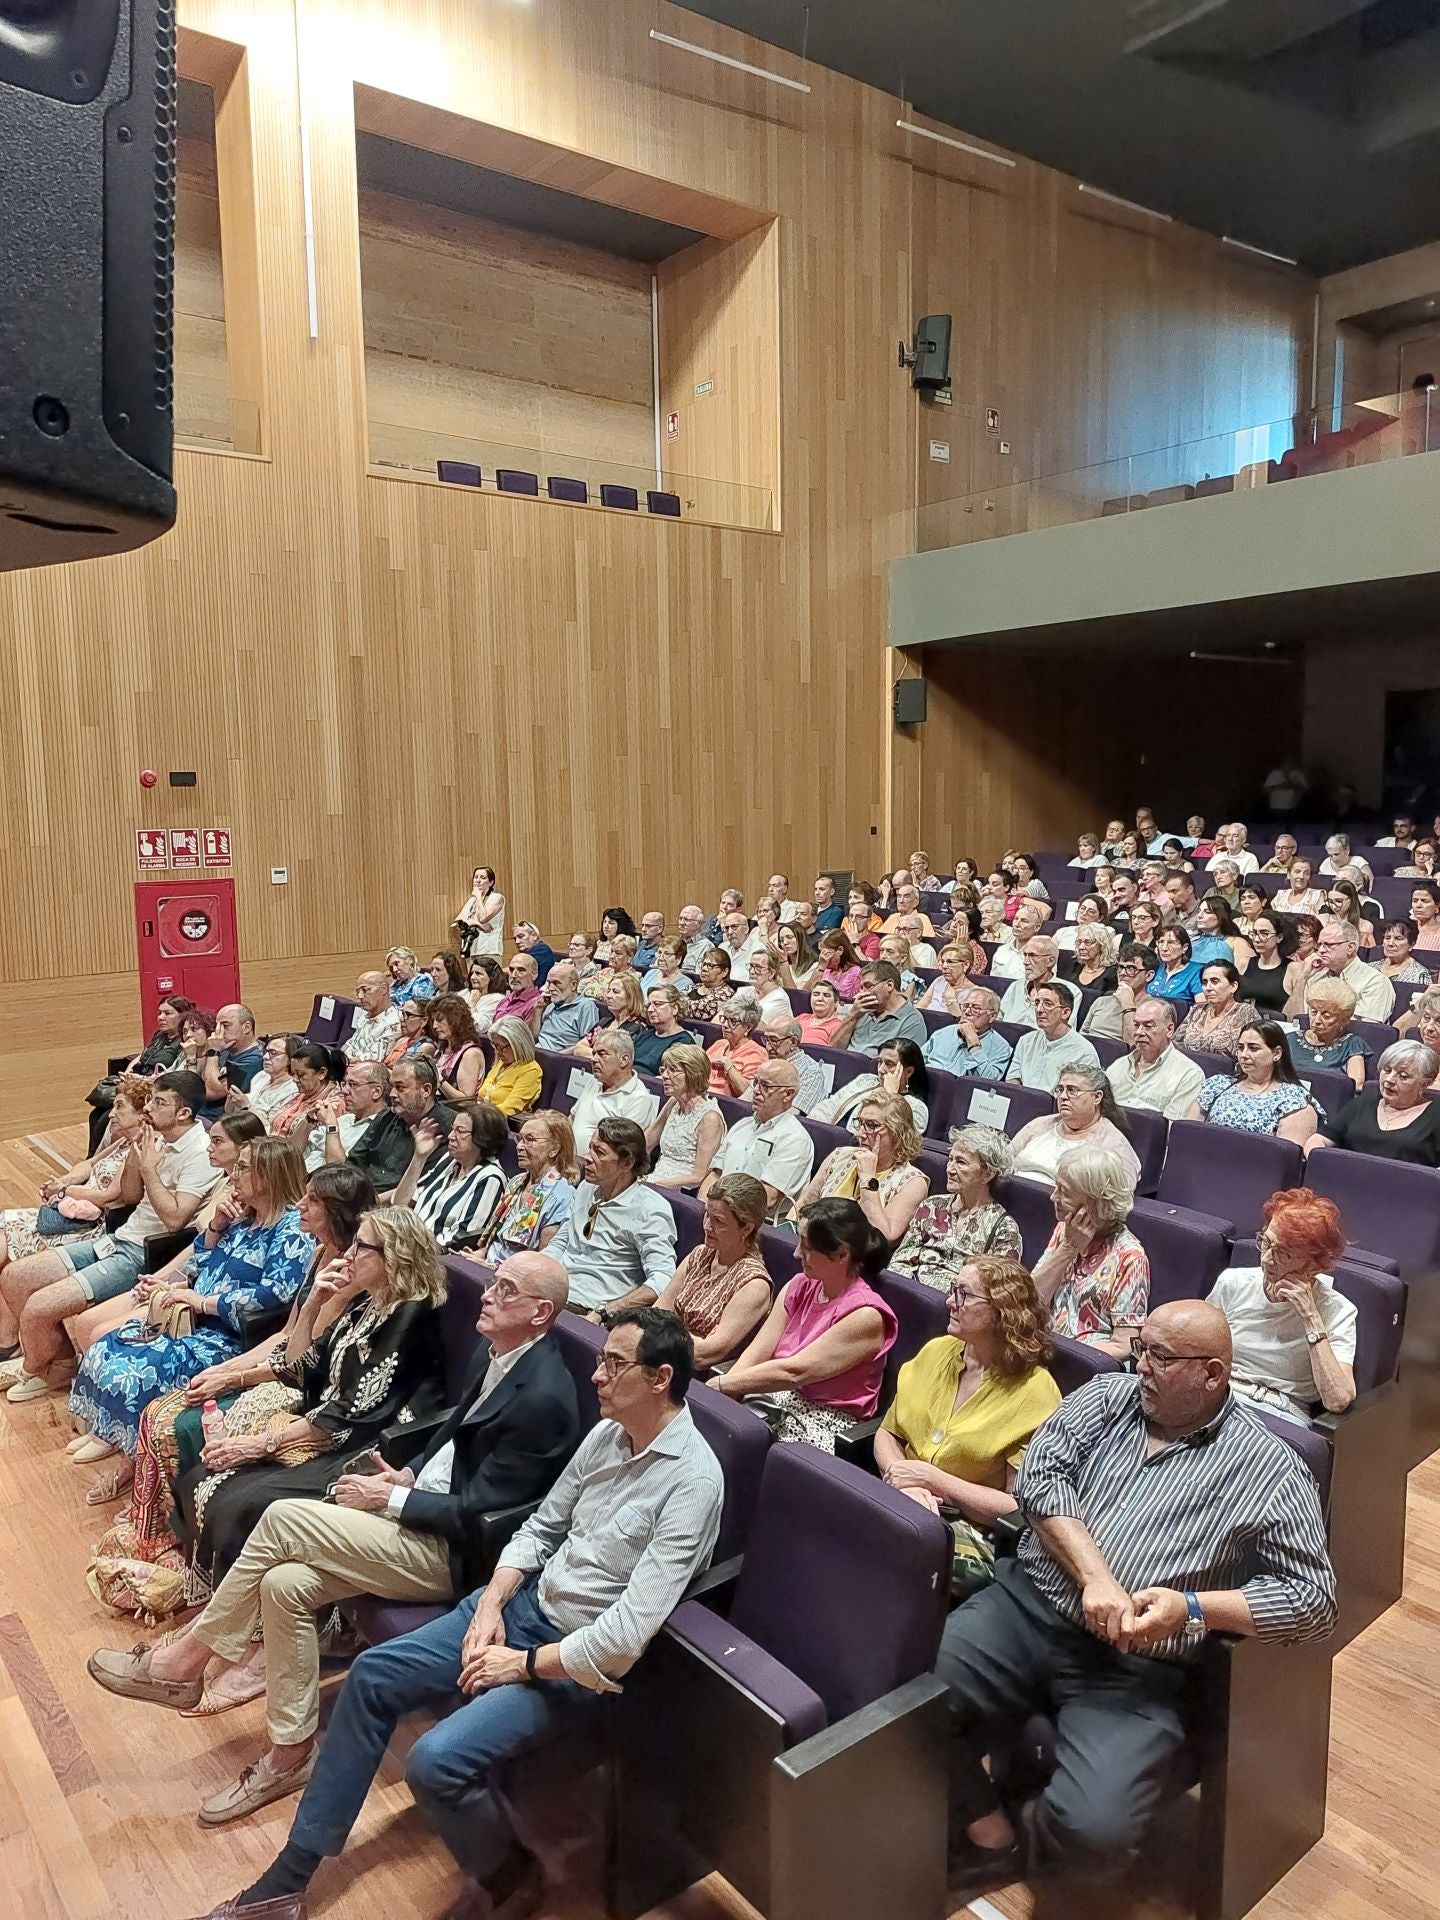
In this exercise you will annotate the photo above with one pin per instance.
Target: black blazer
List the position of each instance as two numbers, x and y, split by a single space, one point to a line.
510 1453
383 1150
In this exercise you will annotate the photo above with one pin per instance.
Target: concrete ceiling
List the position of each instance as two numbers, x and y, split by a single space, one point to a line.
1310 128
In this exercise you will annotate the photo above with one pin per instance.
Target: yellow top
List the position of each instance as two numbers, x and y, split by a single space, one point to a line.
512 1089
980 1439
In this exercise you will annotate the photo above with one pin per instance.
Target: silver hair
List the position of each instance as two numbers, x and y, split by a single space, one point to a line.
743 1007
989 1145
619 1041
516 1034
1404 1052
988 995
1105 1181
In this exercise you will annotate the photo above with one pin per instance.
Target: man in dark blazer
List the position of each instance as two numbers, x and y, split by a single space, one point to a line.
412 1533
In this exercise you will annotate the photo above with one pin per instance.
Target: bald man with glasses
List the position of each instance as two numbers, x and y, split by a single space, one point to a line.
773 1146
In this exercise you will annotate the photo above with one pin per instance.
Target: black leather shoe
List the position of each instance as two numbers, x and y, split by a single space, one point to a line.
975 1869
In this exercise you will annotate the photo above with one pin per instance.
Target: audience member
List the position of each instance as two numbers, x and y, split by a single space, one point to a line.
949 1230
829 914
622 1010
539 1197
662 1029
480 922
1086 1115
1397 943
895 950
1091 910
414 1094
899 1068
1394 1120
1178 976
1425 912
668 968
1336 955
771 1145
737 1056
377 1023
458 1059
971 1047
780 1038
1337 855
764 981
619 1236
369 1133
690 927
616 924
1094 1275
816 1364
1111 1014
1129 1520
1008 962
1323 1042
819 1026
862 924
581 952
721 1290
1300 895
446 973
1184 905
612 1092
713 987
1039 1056
1154 1074
1264 1095
687 1132
1286 847
945 994
1230 844
1267 983
1218 935
527 940
652 932
879 1173
73 1204
795 958
907 906
522 996
739 940
730 902
456 1193
1089 963
1293 1333
841 962
570 1607
407 979
1217 1019
567 1015
879 1013
1039 956
168 1173
160 1052
414 1042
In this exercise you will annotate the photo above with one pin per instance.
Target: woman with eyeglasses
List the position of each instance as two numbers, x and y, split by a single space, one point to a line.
966 1407
899 1068
1264 1095
816 1364
414 1040
737 1056
1267 983
1086 1115
1094 1275
1090 959
1293 1332
1342 902
269 1089
382 1360
538 1199
456 1193
950 1229
513 1082
957 962
689 1129
721 1290
713 985
170 1437
251 1259
879 1172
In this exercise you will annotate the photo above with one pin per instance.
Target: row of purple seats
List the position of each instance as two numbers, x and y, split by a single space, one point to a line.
463 473
331 1018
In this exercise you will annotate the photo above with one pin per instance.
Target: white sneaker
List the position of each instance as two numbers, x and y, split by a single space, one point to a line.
11 1370
30 1386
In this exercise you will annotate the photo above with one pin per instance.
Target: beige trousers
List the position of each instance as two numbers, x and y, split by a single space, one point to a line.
305 1555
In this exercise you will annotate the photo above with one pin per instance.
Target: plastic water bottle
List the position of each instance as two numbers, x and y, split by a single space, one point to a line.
212 1422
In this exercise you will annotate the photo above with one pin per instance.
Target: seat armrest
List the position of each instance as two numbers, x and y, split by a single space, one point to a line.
119 1062
498 1527
1364 1405
1006 1530
745 1665
914 1696
163 1247
715 1585
399 1444
857 1443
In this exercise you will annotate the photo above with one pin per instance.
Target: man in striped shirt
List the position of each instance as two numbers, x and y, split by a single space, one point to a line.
575 1599
1159 1509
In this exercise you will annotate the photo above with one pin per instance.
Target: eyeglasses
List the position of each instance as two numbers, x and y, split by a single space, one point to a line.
366 1246
1162 1360
965 1297
864 1128
504 1291
612 1366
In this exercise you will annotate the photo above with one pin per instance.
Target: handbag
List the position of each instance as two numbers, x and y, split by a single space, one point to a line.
170 1321
102 1094
49 1221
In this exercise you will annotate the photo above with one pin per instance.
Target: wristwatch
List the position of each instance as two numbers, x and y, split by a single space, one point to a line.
530 1673
1314 1339
1195 1623
272 1443
872 1185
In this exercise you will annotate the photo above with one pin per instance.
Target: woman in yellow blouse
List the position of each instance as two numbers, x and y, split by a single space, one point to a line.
966 1406
513 1082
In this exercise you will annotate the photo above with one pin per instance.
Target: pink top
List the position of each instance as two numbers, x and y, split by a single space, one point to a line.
808 1314
846 982
819 1032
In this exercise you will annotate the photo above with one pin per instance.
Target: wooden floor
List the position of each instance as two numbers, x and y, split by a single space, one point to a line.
98 1796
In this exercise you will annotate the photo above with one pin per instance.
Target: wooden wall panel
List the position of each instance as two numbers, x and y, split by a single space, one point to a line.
202 382
381 682
485 332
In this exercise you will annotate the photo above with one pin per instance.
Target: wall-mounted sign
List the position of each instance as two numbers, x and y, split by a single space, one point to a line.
672 426
215 842
992 419
184 847
702 387
940 450
151 849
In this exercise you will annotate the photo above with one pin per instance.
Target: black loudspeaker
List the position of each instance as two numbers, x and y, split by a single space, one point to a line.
930 368
909 701
87 147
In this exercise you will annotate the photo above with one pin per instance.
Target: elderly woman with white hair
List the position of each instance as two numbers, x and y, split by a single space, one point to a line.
1394 1121
949 1229
1324 1042
1225 880
1090 960
1094 1275
1086 1115
1091 910
408 979
1421 1020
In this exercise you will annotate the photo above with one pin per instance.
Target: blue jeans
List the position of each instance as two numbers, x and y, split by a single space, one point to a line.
101 1276
450 1769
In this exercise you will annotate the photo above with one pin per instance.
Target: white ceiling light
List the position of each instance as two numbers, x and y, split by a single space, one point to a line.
724 60
961 146
1244 246
1131 206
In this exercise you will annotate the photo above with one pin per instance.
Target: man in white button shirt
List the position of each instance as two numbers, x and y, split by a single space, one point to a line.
407 1533
1039 957
613 1092
779 891
774 1147
737 942
1155 1074
1230 845
377 1024
620 1235
1008 960
1336 954
575 1599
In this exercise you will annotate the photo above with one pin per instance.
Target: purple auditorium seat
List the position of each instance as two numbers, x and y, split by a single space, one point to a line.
1209 1063
1186 1252
667 504
799 1000
1023 1104
511 480
781 1253
936 1022
1333 1091
1220 1171
826 1138
848 1066
458 473
689 1215
580 1343
624 497
921 1315
1388 1209
733 1111
1074 1363
710 1031
1376 1035
555 1074
1405 992
465 1284
740 1440
1031 1205
559 488
1148 1135
1108 1051
331 1029
772 1745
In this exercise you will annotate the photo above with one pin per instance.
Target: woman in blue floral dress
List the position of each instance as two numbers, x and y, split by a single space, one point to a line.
251 1259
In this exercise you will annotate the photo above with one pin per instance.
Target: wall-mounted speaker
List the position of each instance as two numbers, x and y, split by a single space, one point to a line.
930 365
87 130
909 698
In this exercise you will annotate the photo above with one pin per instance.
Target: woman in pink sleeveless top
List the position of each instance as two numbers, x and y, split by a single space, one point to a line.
817 1361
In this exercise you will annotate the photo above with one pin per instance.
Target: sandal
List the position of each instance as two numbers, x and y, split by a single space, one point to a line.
110 1486
212 1700
90 1449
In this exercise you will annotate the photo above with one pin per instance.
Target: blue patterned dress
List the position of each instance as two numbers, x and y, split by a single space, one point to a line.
250 1269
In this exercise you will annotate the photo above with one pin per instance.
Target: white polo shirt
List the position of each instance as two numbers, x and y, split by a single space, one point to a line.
1169 1087
780 1152
631 1100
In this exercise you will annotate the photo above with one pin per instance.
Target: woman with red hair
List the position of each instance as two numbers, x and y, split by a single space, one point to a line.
1293 1334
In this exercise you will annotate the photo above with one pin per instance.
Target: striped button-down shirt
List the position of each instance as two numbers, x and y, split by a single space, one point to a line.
1228 1506
617 1541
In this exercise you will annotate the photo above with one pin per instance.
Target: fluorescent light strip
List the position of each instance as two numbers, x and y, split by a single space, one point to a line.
1131 206
961 146
724 60
1197 12
1228 240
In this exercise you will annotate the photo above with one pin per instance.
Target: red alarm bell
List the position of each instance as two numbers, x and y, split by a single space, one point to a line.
148 776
